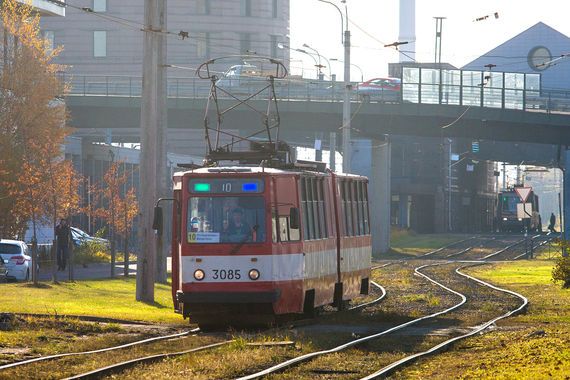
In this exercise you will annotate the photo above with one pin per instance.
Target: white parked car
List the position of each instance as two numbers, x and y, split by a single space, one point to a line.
17 259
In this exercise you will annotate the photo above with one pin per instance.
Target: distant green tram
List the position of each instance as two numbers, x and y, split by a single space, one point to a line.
506 217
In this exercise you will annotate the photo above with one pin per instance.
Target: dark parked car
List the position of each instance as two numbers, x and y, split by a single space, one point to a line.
380 89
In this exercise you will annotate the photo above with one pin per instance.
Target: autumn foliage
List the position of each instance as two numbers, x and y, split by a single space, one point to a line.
118 204
35 181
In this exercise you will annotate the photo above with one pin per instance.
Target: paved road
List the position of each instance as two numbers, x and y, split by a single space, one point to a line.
93 271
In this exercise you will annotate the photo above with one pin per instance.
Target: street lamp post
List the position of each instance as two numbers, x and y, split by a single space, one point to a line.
320 66
346 148
317 64
352 64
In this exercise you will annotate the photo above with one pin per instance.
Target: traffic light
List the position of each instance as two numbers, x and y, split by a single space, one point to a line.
475 146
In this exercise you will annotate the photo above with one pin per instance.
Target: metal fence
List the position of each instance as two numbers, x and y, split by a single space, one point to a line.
518 91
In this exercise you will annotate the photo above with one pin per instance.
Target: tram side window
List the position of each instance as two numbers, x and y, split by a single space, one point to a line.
355 213
305 214
316 209
313 209
310 209
348 209
365 205
274 228
322 209
360 208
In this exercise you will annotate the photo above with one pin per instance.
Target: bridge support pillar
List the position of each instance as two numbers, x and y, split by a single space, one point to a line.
404 211
379 196
566 202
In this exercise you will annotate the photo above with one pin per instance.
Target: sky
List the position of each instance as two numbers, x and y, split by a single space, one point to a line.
463 39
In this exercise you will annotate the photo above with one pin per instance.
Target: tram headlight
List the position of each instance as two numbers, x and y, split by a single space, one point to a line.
199 274
253 274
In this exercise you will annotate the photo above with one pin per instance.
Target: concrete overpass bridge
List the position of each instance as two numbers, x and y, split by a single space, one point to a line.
475 113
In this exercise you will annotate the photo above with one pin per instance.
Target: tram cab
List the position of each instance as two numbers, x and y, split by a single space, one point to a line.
253 243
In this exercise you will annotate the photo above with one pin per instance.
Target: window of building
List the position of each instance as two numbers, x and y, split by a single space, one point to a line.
99 5
274 7
49 35
245 43
245 8
202 45
203 7
100 43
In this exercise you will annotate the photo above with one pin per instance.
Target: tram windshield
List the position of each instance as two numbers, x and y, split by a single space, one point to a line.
509 203
214 220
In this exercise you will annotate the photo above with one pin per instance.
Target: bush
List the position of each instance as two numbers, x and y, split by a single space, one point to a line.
561 272
90 252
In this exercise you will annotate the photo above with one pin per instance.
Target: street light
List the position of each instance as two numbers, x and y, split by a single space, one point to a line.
283 46
346 149
352 64
319 55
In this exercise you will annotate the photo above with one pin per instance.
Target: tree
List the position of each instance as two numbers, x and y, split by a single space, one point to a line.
32 124
118 206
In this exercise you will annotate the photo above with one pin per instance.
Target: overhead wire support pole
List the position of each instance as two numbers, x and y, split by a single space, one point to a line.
153 142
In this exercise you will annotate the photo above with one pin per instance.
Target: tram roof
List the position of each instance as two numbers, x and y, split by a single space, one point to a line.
237 170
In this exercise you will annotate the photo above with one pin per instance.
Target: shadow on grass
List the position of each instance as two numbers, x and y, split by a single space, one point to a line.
158 305
40 285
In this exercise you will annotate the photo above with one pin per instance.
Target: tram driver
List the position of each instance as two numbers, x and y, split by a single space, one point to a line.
238 229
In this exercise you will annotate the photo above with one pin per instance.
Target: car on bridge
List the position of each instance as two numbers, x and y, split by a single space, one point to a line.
380 89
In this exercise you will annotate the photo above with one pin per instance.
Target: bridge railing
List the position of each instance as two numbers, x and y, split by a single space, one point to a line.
520 91
517 91
125 86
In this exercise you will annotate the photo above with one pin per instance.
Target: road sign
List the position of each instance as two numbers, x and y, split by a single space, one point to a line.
524 210
523 192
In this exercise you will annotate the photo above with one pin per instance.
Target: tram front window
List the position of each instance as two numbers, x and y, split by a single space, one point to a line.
509 203
214 220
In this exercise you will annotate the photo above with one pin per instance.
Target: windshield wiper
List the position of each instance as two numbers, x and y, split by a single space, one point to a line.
244 240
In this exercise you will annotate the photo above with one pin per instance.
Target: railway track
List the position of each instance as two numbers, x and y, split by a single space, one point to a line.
482 325
117 367
508 252
437 348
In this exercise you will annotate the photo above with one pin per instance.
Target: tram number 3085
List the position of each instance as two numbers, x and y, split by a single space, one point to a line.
226 274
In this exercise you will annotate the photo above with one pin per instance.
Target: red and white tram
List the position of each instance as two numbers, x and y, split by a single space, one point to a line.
252 243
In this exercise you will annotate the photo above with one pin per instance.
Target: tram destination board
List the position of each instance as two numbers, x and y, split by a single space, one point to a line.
226 185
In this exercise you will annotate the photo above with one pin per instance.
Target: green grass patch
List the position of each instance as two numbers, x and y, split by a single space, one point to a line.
406 241
103 298
533 345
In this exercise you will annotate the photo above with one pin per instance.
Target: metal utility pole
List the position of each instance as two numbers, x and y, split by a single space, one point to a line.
332 151
346 147
153 140
438 28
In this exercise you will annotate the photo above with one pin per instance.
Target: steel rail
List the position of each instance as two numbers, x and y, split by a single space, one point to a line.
425 254
448 246
355 342
459 253
136 343
391 367
370 303
534 247
98 373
